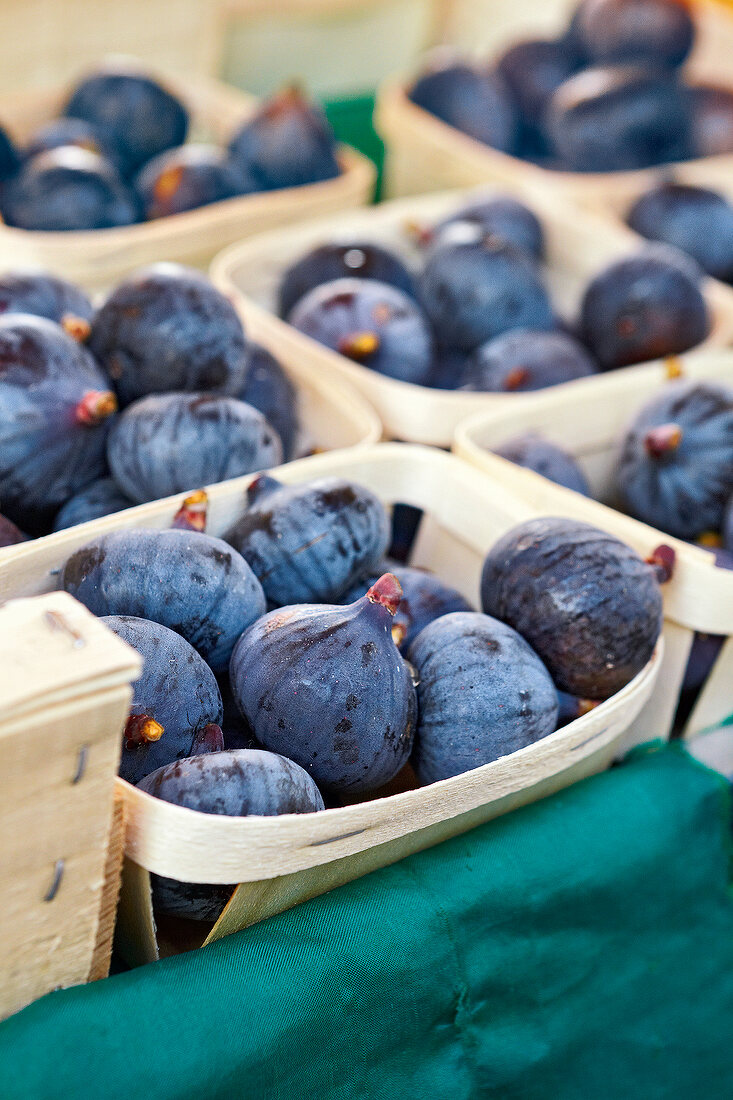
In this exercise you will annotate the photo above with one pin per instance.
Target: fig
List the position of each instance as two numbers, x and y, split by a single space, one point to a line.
675 464
588 605
101 498
327 687
238 783
308 543
175 703
534 452
482 693
192 583
55 408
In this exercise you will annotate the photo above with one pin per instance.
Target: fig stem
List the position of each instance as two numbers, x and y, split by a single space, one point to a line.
95 406
191 516
516 378
359 345
208 739
387 592
77 328
661 440
141 729
662 560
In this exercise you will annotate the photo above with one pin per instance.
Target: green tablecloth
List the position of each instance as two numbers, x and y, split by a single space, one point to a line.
580 948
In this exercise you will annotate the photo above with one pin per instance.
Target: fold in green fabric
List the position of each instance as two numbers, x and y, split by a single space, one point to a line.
580 948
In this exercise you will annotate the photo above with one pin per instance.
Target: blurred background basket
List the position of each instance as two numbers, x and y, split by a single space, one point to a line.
577 247
425 154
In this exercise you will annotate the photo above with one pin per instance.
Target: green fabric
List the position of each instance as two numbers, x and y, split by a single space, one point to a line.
580 948
351 119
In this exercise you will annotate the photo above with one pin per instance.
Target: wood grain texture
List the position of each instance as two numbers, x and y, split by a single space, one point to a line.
60 753
579 243
97 259
110 893
424 154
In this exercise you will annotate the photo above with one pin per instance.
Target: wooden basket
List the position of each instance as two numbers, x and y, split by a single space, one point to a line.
65 685
578 246
282 861
425 154
588 423
96 259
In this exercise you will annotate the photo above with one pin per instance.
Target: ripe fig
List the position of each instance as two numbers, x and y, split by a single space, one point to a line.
482 694
192 583
55 407
327 687
588 605
534 452
176 701
675 465
238 783
308 543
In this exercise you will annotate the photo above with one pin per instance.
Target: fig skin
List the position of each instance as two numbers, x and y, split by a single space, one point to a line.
469 97
240 783
588 605
269 389
101 498
177 690
675 464
169 443
192 583
534 452
10 535
502 218
166 327
327 687
308 543
482 693
351 258
55 409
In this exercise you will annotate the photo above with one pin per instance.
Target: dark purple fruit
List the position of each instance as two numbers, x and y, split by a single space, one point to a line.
616 118
134 113
711 120
354 259
522 360
482 693
171 442
174 701
269 389
71 131
372 323
533 69
473 99
287 143
424 598
651 32
240 783
536 453
192 583
586 603
9 158
69 189
168 328
55 406
10 535
504 219
327 687
728 530
308 543
100 498
645 306
186 178
694 219
675 466
474 287
45 295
